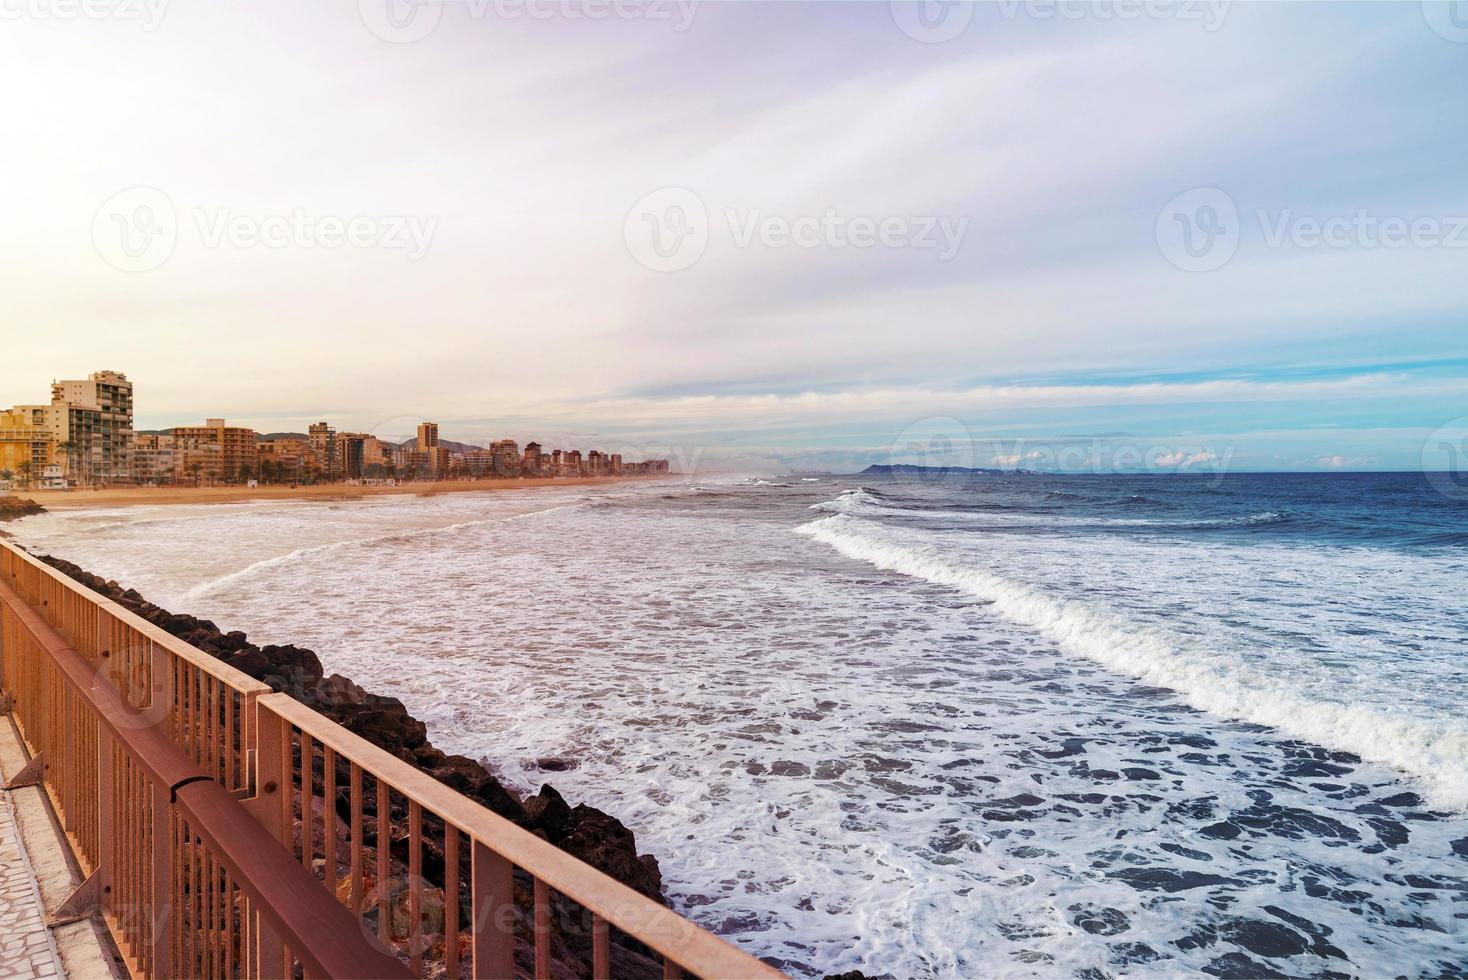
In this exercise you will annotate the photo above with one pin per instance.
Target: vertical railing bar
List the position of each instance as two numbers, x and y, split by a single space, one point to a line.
415 884
355 780
542 930
451 900
328 814
308 837
384 849
601 949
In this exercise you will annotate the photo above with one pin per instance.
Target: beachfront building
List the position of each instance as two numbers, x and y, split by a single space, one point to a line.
479 462
616 464
286 459
505 454
25 443
155 459
238 457
324 452
530 463
90 427
427 436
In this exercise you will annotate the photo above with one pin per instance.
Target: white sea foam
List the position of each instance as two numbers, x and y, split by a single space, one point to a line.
1436 754
826 758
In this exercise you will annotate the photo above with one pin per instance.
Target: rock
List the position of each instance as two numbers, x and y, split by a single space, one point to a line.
548 811
13 508
606 844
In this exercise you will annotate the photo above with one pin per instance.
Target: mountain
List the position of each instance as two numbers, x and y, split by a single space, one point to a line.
902 468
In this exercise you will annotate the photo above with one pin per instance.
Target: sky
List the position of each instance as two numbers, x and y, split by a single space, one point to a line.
752 235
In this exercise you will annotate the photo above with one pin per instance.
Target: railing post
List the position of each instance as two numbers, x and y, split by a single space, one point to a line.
164 921
492 885
271 807
106 845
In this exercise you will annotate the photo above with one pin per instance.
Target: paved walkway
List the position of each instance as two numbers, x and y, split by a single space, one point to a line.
26 949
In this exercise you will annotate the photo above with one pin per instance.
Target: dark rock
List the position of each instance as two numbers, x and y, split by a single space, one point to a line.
14 508
1223 830
548 811
606 844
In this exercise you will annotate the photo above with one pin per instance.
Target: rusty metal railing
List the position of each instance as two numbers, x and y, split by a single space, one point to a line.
230 832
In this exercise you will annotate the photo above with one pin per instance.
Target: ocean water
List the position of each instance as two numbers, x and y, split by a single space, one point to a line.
987 726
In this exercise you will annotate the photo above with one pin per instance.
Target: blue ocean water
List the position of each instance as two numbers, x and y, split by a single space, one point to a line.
924 727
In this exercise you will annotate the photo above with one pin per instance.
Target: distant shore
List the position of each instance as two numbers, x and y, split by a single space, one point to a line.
144 496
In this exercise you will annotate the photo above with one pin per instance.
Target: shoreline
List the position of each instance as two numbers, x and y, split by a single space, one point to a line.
58 500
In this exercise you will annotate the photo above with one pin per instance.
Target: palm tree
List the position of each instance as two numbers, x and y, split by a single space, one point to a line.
26 470
194 469
67 448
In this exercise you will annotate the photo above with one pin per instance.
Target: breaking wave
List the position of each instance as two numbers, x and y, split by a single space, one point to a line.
1435 754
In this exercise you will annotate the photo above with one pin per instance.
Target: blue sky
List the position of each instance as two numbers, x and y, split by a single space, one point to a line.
1204 232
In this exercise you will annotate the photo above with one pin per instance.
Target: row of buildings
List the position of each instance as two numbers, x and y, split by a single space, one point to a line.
85 437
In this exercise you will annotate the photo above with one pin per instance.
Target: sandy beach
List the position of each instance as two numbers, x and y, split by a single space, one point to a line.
141 496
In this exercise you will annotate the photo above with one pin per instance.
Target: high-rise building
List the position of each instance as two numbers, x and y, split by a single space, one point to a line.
530 464
427 436
506 456
91 426
238 456
324 452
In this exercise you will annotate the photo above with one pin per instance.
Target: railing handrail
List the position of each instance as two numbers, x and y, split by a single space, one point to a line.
635 914
211 665
298 907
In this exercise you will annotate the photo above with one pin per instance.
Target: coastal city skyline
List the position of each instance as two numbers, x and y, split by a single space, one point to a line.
85 436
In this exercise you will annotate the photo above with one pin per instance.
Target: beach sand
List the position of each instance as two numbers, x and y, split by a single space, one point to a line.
142 496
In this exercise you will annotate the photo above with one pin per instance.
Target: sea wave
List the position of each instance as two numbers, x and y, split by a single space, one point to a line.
214 584
863 502
1434 754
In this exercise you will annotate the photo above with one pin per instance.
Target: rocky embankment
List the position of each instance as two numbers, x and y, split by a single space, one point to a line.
585 832
12 507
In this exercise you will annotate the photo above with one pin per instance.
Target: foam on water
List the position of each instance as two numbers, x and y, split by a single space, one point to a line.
844 766
1436 754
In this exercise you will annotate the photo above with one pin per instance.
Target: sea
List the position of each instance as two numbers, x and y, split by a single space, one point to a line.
920 724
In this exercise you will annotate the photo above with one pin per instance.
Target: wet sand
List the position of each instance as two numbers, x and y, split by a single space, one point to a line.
144 496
